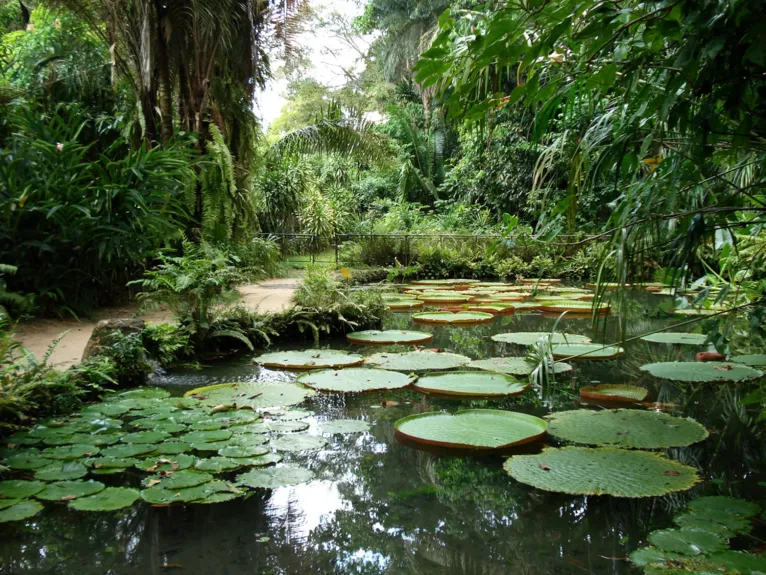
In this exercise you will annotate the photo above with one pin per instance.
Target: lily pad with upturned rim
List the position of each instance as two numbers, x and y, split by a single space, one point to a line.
309 359
252 394
472 428
110 499
532 337
676 338
601 471
341 426
585 352
470 383
355 379
389 337
615 393
699 372
401 305
414 361
514 365
757 360
574 307
271 478
450 318
630 428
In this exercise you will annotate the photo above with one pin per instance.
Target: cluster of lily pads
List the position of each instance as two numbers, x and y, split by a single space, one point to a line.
700 541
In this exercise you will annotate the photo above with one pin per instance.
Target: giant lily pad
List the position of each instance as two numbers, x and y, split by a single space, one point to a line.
582 352
344 426
630 428
355 380
298 443
18 489
574 307
271 478
309 359
601 471
391 336
67 490
753 360
532 337
21 510
470 383
252 394
712 371
676 338
142 393
444 298
472 428
613 393
447 317
417 361
110 499
400 305
514 365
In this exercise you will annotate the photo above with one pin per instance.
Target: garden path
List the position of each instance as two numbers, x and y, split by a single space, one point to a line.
37 335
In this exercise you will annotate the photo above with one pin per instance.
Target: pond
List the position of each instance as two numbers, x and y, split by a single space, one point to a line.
375 505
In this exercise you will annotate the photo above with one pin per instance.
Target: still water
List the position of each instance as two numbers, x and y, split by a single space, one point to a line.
376 506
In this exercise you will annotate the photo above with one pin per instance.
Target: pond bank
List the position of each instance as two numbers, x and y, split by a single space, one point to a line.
266 296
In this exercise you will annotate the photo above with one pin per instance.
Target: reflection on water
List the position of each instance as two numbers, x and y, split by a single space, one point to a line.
378 506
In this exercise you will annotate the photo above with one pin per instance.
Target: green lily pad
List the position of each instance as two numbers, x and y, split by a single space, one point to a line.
601 471
67 439
145 437
162 463
173 448
753 360
391 336
631 428
250 438
298 443
23 438
449 318
210 425
676 338
355 380
180 479
21 510
252 394
715 521
28 460
18 489
103 465
729 505
260 461
708 372
414 361
206 436
736 562
128 450
574 307
238 451
614 393
217 464
271 478
309 359
71 451
110 499
532 337
107 409
66 490
344 426
582 352
470 383
514 365
276 426
6 503
648 555
142 393
209 492
444 298
402 304
688 541
212 446
61 471
472 428
289 414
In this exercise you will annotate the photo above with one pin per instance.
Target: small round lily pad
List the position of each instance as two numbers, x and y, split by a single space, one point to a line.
676 338
583 352
209 492
688 541
472 428
298 443
270 478
260 460
391 336
71 451
19 489
470 383
173 448
24 509
28 460
181 479
450 318
164 463
355 379
61 471
344 426
514 365
68 490
709 372
414 361
217 464
632 428
206 436
128 450
601 471
532 337
614 393
309 359
110 499
238 451
145 437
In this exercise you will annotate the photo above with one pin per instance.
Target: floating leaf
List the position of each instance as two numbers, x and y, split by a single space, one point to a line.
298 443
344 426
614 393
647 555
687 541
355 380
28 460
206 436
217 464
237 451
18 489
728 504
161 463
21 510
447 317
110 499
61 471
107 463
276 426
715 521
71 451
397 305
470 383
289 414
145 437
472 428
415 361
582 352
712 371
514 365
252 394
260 461
142 393
390 336
630 428
130 450
272 478
753 360
309 359
532 337
676 338
601 471
574 307
67 490
444 298
173 448
181 479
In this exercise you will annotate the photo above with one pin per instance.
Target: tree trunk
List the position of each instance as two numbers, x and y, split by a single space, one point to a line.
148 104
164 87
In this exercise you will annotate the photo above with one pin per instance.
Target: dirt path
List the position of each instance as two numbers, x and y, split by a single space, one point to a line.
37 335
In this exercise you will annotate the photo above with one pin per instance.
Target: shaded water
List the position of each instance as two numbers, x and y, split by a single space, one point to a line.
377 506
